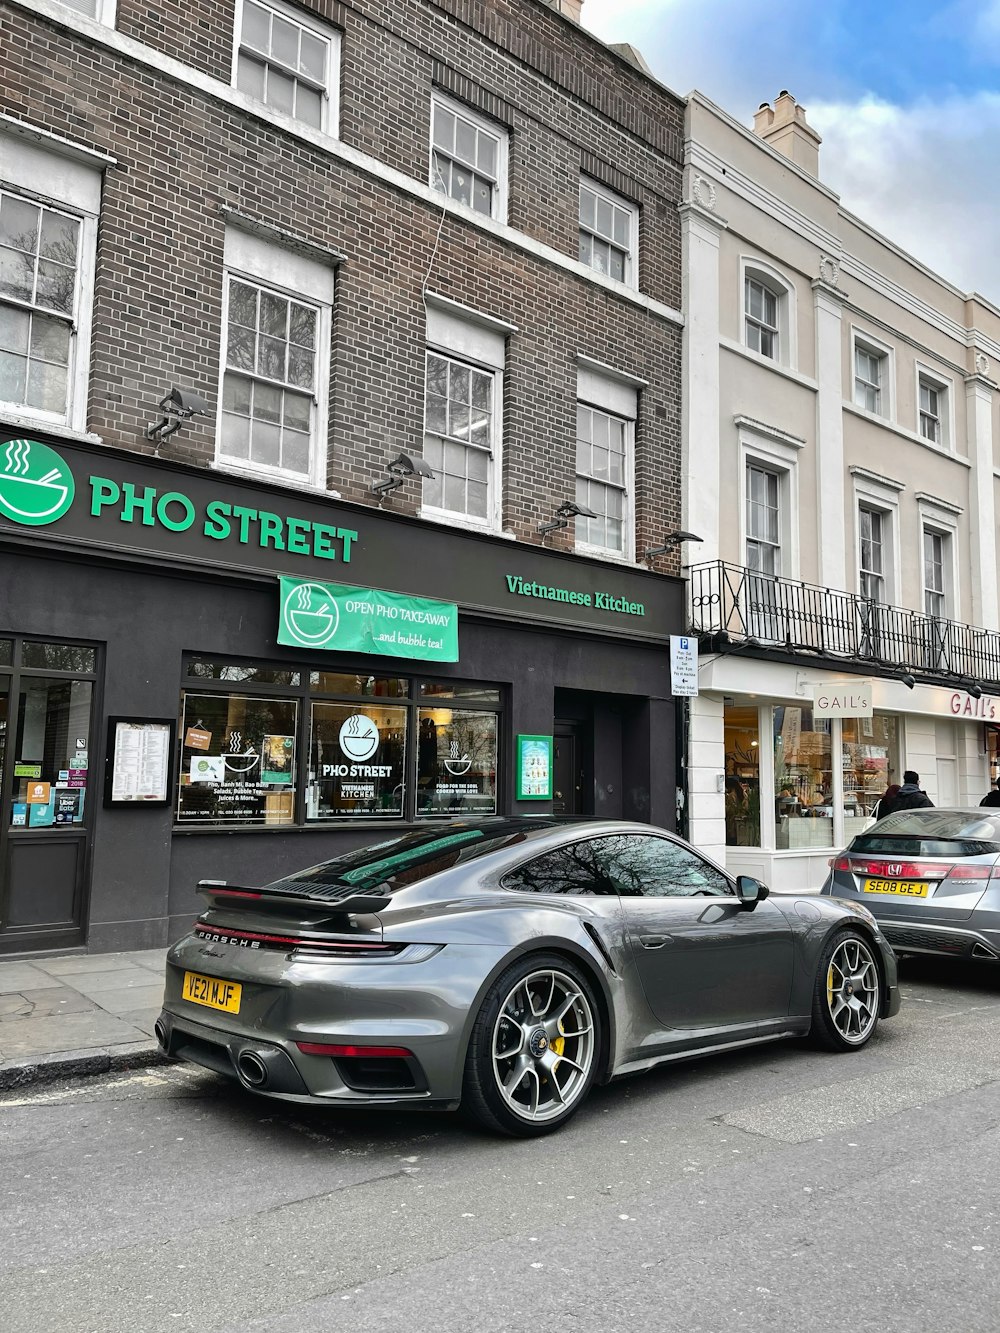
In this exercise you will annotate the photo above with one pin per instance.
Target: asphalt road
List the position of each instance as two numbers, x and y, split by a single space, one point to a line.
780 1189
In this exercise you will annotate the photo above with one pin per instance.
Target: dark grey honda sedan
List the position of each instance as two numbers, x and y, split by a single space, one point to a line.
506 966
931 878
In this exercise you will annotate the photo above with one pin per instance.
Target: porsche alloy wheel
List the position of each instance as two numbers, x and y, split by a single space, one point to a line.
847 994
534 1048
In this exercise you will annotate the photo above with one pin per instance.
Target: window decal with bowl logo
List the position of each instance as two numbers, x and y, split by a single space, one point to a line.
311 614
36 486
359 737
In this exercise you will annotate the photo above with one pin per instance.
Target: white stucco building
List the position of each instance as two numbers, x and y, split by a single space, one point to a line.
841 437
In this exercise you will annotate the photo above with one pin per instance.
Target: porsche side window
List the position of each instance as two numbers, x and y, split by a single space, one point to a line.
578 869
658 868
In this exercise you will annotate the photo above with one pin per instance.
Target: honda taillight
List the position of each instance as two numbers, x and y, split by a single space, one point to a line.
886 869
979 872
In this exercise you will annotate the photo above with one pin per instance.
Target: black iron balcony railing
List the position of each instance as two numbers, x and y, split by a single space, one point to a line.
745 604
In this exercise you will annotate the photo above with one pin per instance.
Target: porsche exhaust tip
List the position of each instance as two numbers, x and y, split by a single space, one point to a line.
160 1033
252 1069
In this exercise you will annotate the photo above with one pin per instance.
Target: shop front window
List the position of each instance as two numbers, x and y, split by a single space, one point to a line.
742 737
870 757
356 761
237 760
456 762
803 779
50 765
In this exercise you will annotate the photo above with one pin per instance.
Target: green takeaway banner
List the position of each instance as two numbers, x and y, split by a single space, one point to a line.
364 620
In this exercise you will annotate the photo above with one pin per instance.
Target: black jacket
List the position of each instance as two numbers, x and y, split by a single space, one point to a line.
909 797
992 797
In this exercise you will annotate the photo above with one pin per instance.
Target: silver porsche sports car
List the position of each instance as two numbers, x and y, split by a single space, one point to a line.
507 965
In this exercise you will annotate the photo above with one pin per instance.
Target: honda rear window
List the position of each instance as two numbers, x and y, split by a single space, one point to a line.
885 845
979 825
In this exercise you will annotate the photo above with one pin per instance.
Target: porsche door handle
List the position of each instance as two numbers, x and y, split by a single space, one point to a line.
653 941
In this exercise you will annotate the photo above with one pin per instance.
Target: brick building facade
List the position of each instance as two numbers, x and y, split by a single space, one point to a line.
444 232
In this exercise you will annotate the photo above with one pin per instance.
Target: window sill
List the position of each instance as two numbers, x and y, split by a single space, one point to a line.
446 520
941 451
767 364
277 478
611 557
8 417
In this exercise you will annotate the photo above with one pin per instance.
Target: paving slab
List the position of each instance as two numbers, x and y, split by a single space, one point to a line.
70 965
66 1032
123 978
127 999
44 1003
16 977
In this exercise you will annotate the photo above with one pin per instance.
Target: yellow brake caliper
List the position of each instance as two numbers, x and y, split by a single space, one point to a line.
829 984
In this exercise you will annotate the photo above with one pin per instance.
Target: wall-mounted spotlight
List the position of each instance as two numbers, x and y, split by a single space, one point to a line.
671 540
399 469
567 510
177 406
907 679
975 689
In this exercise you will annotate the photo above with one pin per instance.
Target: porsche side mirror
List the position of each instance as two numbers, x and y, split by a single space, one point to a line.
750 891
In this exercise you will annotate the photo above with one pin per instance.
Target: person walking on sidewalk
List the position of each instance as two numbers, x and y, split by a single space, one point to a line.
992 797
909 796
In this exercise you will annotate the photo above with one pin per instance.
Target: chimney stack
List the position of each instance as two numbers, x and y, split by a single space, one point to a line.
784 127
568 8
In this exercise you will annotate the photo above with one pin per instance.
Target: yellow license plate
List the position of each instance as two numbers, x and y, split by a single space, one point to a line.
212 992
903 888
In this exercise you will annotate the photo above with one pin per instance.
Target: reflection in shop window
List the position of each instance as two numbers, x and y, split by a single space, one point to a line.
870 758
237 760
51 767
456 762
356 757
59 656
376 687
6 652
803 779
245 673
742 740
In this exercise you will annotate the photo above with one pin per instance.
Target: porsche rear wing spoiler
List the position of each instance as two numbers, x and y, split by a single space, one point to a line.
333 897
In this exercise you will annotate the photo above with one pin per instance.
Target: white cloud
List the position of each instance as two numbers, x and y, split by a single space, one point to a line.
922 176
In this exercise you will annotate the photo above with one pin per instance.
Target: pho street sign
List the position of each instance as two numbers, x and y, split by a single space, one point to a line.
365 620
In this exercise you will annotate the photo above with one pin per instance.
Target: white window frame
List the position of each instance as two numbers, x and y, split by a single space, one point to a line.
266 264
944 388
484 124
72 182
329 94
864 342
943 519
759 450
880 494
479 341
105 11
631 266
754 269
615 393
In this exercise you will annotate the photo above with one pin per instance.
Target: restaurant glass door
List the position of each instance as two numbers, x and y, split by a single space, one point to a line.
47 697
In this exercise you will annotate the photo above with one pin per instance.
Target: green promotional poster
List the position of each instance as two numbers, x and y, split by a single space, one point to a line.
364 620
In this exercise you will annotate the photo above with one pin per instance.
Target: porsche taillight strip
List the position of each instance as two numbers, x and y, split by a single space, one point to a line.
355 1052
254 939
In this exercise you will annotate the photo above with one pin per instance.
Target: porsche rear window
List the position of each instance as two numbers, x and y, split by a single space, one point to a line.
402 861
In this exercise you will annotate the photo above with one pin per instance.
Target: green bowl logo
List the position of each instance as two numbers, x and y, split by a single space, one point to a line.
36 486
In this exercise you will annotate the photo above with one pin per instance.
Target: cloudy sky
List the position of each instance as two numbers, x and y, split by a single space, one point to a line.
906 94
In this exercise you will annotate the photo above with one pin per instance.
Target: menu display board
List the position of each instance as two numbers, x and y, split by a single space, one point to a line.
534 768
139 761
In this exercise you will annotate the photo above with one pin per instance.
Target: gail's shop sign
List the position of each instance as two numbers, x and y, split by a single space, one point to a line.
964 705
840 698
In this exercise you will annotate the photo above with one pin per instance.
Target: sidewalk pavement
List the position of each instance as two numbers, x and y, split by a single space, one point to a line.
78 1014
